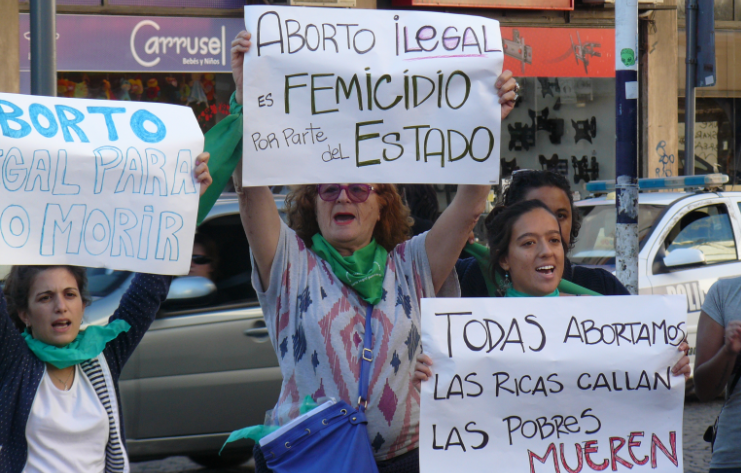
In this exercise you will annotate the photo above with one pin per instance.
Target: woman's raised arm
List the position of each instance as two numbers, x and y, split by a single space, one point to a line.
257 207
450 233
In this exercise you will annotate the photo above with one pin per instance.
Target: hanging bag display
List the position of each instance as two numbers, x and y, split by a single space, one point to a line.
332 437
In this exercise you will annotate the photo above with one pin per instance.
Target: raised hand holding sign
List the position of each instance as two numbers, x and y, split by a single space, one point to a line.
370 96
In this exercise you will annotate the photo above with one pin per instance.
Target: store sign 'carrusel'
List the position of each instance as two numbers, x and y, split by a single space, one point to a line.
107 43
202 50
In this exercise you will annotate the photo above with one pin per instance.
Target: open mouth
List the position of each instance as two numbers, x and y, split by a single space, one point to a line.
61 324
547 269
343 218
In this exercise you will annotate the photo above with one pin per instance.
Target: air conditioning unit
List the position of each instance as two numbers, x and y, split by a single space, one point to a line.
322 3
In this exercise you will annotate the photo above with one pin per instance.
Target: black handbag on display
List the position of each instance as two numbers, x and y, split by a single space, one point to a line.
712 431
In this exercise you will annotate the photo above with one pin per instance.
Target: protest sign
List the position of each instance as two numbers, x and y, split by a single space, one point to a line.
97 183
541 384
334 95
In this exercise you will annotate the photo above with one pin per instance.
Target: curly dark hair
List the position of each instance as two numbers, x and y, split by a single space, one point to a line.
525 181
18 286
499 224
393 228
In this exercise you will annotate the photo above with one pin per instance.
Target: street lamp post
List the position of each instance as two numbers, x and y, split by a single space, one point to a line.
43 47
626 146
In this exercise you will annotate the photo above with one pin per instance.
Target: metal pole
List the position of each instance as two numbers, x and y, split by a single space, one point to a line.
626 146
43 47
689 88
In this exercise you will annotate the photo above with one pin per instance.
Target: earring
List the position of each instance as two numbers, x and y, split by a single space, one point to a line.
507 282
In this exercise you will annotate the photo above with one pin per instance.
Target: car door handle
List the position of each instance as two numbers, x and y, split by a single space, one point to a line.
258 332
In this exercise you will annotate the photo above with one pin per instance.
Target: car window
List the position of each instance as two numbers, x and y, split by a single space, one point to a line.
103 281
596 241
707 229
227 255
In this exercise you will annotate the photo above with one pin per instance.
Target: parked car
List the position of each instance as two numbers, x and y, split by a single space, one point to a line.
206 366
688 240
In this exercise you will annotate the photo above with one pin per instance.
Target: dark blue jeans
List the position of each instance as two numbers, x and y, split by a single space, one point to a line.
725 470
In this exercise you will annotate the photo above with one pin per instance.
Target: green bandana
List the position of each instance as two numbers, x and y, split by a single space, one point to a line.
363 271
512 292
481 254
88 344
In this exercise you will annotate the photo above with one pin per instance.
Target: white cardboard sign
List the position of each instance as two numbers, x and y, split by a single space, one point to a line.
97 183
548 385
338 95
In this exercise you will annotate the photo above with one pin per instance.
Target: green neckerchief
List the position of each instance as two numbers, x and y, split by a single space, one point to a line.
512 292
363 270
481 254
88 344
224 142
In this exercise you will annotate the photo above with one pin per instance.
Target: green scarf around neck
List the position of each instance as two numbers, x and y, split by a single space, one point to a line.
88 344
481 254
512 292
363 270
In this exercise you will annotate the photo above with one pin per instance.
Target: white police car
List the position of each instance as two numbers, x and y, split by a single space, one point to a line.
688 240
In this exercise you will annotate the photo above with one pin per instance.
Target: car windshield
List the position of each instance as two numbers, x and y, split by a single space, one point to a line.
596 241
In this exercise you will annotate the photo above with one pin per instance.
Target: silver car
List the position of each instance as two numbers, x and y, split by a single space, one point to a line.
206 366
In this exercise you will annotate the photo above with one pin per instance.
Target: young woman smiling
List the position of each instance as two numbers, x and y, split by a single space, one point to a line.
59 400
553 190
527 260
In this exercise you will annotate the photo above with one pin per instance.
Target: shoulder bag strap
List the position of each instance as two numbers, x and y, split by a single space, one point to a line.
366 358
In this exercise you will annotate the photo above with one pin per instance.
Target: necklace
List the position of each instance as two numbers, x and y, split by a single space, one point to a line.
64 382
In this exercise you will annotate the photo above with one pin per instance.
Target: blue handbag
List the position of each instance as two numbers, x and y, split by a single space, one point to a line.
330 439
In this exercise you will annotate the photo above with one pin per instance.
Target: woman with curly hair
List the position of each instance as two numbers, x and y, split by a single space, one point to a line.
346 249
59 402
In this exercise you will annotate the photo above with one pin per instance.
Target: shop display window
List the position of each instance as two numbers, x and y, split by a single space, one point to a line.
562 124
715 143
564 120
206 94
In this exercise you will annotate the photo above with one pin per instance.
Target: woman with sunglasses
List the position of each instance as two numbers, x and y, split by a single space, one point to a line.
205 259
344 249
59 404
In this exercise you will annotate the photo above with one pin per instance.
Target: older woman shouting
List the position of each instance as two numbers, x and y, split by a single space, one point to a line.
346 248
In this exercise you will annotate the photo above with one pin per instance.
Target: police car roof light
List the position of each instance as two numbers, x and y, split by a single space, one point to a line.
704 180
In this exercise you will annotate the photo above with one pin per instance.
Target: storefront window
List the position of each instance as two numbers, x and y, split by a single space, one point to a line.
564 120
714 137
206 94
718 109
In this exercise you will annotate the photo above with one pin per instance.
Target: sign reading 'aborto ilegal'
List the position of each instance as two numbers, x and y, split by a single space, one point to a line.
97 183
335 95
544 385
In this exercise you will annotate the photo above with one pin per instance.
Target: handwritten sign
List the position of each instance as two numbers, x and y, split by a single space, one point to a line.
548 385
97 183
336 95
